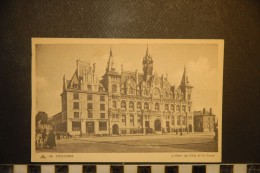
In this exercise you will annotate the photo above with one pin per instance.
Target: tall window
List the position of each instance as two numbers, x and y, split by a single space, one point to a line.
178 97
138 92
131 105
189 97
139 119
89 97
139 106
178 108
146 92
89 88
166 107
189 108
102 115
172 107
146 106
102 98
76 114
122 91
178 120
172 120
76 126
75 96
76 105
124 119
90 107
102 107
183 120
114 88
90 115
123 104
114 104
183 109
131 90
156 106
132 119
102 126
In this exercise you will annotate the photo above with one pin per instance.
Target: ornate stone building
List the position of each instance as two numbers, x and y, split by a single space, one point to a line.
126 102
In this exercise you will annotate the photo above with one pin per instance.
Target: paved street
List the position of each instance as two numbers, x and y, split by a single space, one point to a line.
199 142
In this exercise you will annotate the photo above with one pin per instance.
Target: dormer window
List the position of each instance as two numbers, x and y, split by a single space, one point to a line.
139 106
131 90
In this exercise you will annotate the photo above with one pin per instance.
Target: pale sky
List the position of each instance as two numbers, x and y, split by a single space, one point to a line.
201 60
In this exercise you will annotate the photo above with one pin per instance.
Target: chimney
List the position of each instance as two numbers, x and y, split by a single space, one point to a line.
136 76
204 111
210 111
122 68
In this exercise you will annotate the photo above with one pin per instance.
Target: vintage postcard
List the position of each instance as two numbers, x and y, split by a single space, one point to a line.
126 100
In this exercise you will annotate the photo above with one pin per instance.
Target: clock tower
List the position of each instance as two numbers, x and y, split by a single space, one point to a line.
147 66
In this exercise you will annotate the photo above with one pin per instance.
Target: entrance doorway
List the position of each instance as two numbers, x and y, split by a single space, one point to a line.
190 128
115 129
90 127
157 125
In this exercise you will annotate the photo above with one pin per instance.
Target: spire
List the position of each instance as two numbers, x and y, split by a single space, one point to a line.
111 51
185 78
110 61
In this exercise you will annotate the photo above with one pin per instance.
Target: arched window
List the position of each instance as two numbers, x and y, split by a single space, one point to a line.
172 107
178 108
178 96
146 106
131 105
114 88
166 107
156 106
139 106
183 109
123 104
114 104
183 121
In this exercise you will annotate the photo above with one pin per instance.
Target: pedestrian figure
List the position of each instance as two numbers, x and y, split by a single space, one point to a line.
51 140
68 135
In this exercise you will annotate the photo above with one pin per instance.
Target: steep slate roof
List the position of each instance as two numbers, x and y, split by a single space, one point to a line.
129 74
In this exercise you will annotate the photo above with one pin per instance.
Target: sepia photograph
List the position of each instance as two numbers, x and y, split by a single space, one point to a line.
126 100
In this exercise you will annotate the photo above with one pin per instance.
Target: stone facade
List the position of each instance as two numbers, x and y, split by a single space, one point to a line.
126 102
204 121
